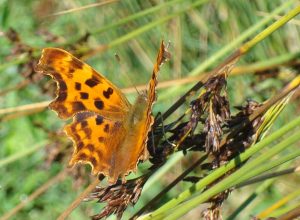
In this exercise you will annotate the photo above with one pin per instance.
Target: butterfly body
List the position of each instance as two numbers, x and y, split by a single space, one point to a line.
108 132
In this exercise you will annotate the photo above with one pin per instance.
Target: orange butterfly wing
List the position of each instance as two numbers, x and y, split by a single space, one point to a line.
110 136
97 140
80 87
145 115
139 121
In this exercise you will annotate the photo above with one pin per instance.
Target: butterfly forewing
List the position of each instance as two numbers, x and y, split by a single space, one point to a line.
162 56
80 87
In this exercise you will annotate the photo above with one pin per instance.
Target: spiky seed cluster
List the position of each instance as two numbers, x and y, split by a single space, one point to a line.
118 196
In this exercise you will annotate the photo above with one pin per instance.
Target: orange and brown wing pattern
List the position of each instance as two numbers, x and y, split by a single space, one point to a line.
97 141
162 56
80 87
136 141
108 133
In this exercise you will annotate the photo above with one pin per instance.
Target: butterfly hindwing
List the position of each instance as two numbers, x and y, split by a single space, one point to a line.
97 141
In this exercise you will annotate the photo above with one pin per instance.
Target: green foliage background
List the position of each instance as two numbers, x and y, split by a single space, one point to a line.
195 35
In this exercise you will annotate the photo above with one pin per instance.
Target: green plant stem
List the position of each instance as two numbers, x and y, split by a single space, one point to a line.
270 165
268 179
234 44
267 176
250 31
153 24
234 178
128 19
261 188
135 16
284 213
274 61
223 169
142 29
169 187
162 171
279 204
269 30
124 38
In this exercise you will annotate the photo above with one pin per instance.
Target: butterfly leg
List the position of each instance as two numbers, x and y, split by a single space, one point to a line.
159 115
152 147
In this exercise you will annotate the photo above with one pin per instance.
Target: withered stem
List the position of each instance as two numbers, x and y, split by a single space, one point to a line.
78 200
266 177
292 214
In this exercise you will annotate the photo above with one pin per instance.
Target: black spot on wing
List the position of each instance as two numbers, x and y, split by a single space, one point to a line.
93 81
99 120
76 136
88 132
71 70
78 106
82 156
101 139
80 145
90 147
84 95
107 93
78 86
99 104
106 128
72 128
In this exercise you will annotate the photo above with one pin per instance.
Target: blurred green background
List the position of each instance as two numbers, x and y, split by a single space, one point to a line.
197 31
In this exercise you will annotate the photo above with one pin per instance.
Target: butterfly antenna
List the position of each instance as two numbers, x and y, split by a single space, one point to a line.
153 151
127 76
137 91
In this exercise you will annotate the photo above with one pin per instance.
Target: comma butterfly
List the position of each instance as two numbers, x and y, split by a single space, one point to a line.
108 132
